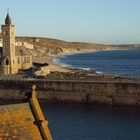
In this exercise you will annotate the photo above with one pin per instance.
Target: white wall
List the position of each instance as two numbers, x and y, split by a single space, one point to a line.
25 44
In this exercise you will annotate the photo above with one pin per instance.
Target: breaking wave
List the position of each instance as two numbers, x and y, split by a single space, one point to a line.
124 63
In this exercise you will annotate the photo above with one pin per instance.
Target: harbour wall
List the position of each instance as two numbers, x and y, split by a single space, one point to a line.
92 92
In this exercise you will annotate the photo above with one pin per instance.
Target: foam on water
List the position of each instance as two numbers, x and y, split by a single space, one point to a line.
86 69
58 61
117 63
99 72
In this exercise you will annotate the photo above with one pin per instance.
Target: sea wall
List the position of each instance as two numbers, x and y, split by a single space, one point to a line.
114 93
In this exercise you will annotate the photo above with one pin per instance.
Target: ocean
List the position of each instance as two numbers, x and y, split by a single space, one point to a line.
81 122
117 63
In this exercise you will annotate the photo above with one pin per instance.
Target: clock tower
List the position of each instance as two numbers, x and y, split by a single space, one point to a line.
8 51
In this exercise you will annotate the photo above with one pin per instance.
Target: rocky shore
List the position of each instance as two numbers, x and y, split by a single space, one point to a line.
45 50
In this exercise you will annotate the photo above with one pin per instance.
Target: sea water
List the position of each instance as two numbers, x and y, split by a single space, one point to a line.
118 63
81 122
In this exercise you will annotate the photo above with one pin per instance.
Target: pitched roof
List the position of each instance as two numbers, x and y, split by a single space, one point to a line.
20 50
8 20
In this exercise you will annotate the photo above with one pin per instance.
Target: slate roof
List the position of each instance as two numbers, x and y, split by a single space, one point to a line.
20 50
8 20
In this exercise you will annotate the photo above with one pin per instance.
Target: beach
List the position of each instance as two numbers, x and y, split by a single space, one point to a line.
53 67
50 68
58 72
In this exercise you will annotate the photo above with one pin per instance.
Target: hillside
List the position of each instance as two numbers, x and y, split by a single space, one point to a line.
45 49
53 47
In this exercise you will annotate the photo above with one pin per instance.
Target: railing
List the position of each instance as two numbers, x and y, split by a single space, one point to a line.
40 119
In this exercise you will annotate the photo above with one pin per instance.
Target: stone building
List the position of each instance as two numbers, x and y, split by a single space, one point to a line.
13 58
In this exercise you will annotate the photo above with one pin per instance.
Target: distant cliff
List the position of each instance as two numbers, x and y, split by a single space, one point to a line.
53 47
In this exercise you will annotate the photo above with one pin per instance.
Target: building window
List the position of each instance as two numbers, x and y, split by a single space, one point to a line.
7 62
26 60
6 44
18 60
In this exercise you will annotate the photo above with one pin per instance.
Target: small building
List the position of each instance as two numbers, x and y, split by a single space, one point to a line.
13 58
35 39
25 44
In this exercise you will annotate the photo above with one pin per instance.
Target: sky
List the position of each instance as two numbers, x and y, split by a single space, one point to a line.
95 21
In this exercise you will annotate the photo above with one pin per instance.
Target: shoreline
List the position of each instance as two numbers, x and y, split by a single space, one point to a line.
58 68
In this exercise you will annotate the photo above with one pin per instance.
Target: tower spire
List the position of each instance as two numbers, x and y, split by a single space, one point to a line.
8 19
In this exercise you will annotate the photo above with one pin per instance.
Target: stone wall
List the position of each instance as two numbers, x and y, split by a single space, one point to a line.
114 93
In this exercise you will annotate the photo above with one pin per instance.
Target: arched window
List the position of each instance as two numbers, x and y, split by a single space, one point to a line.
7 62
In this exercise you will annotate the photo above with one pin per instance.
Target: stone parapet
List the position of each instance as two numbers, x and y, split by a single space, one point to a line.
115 93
